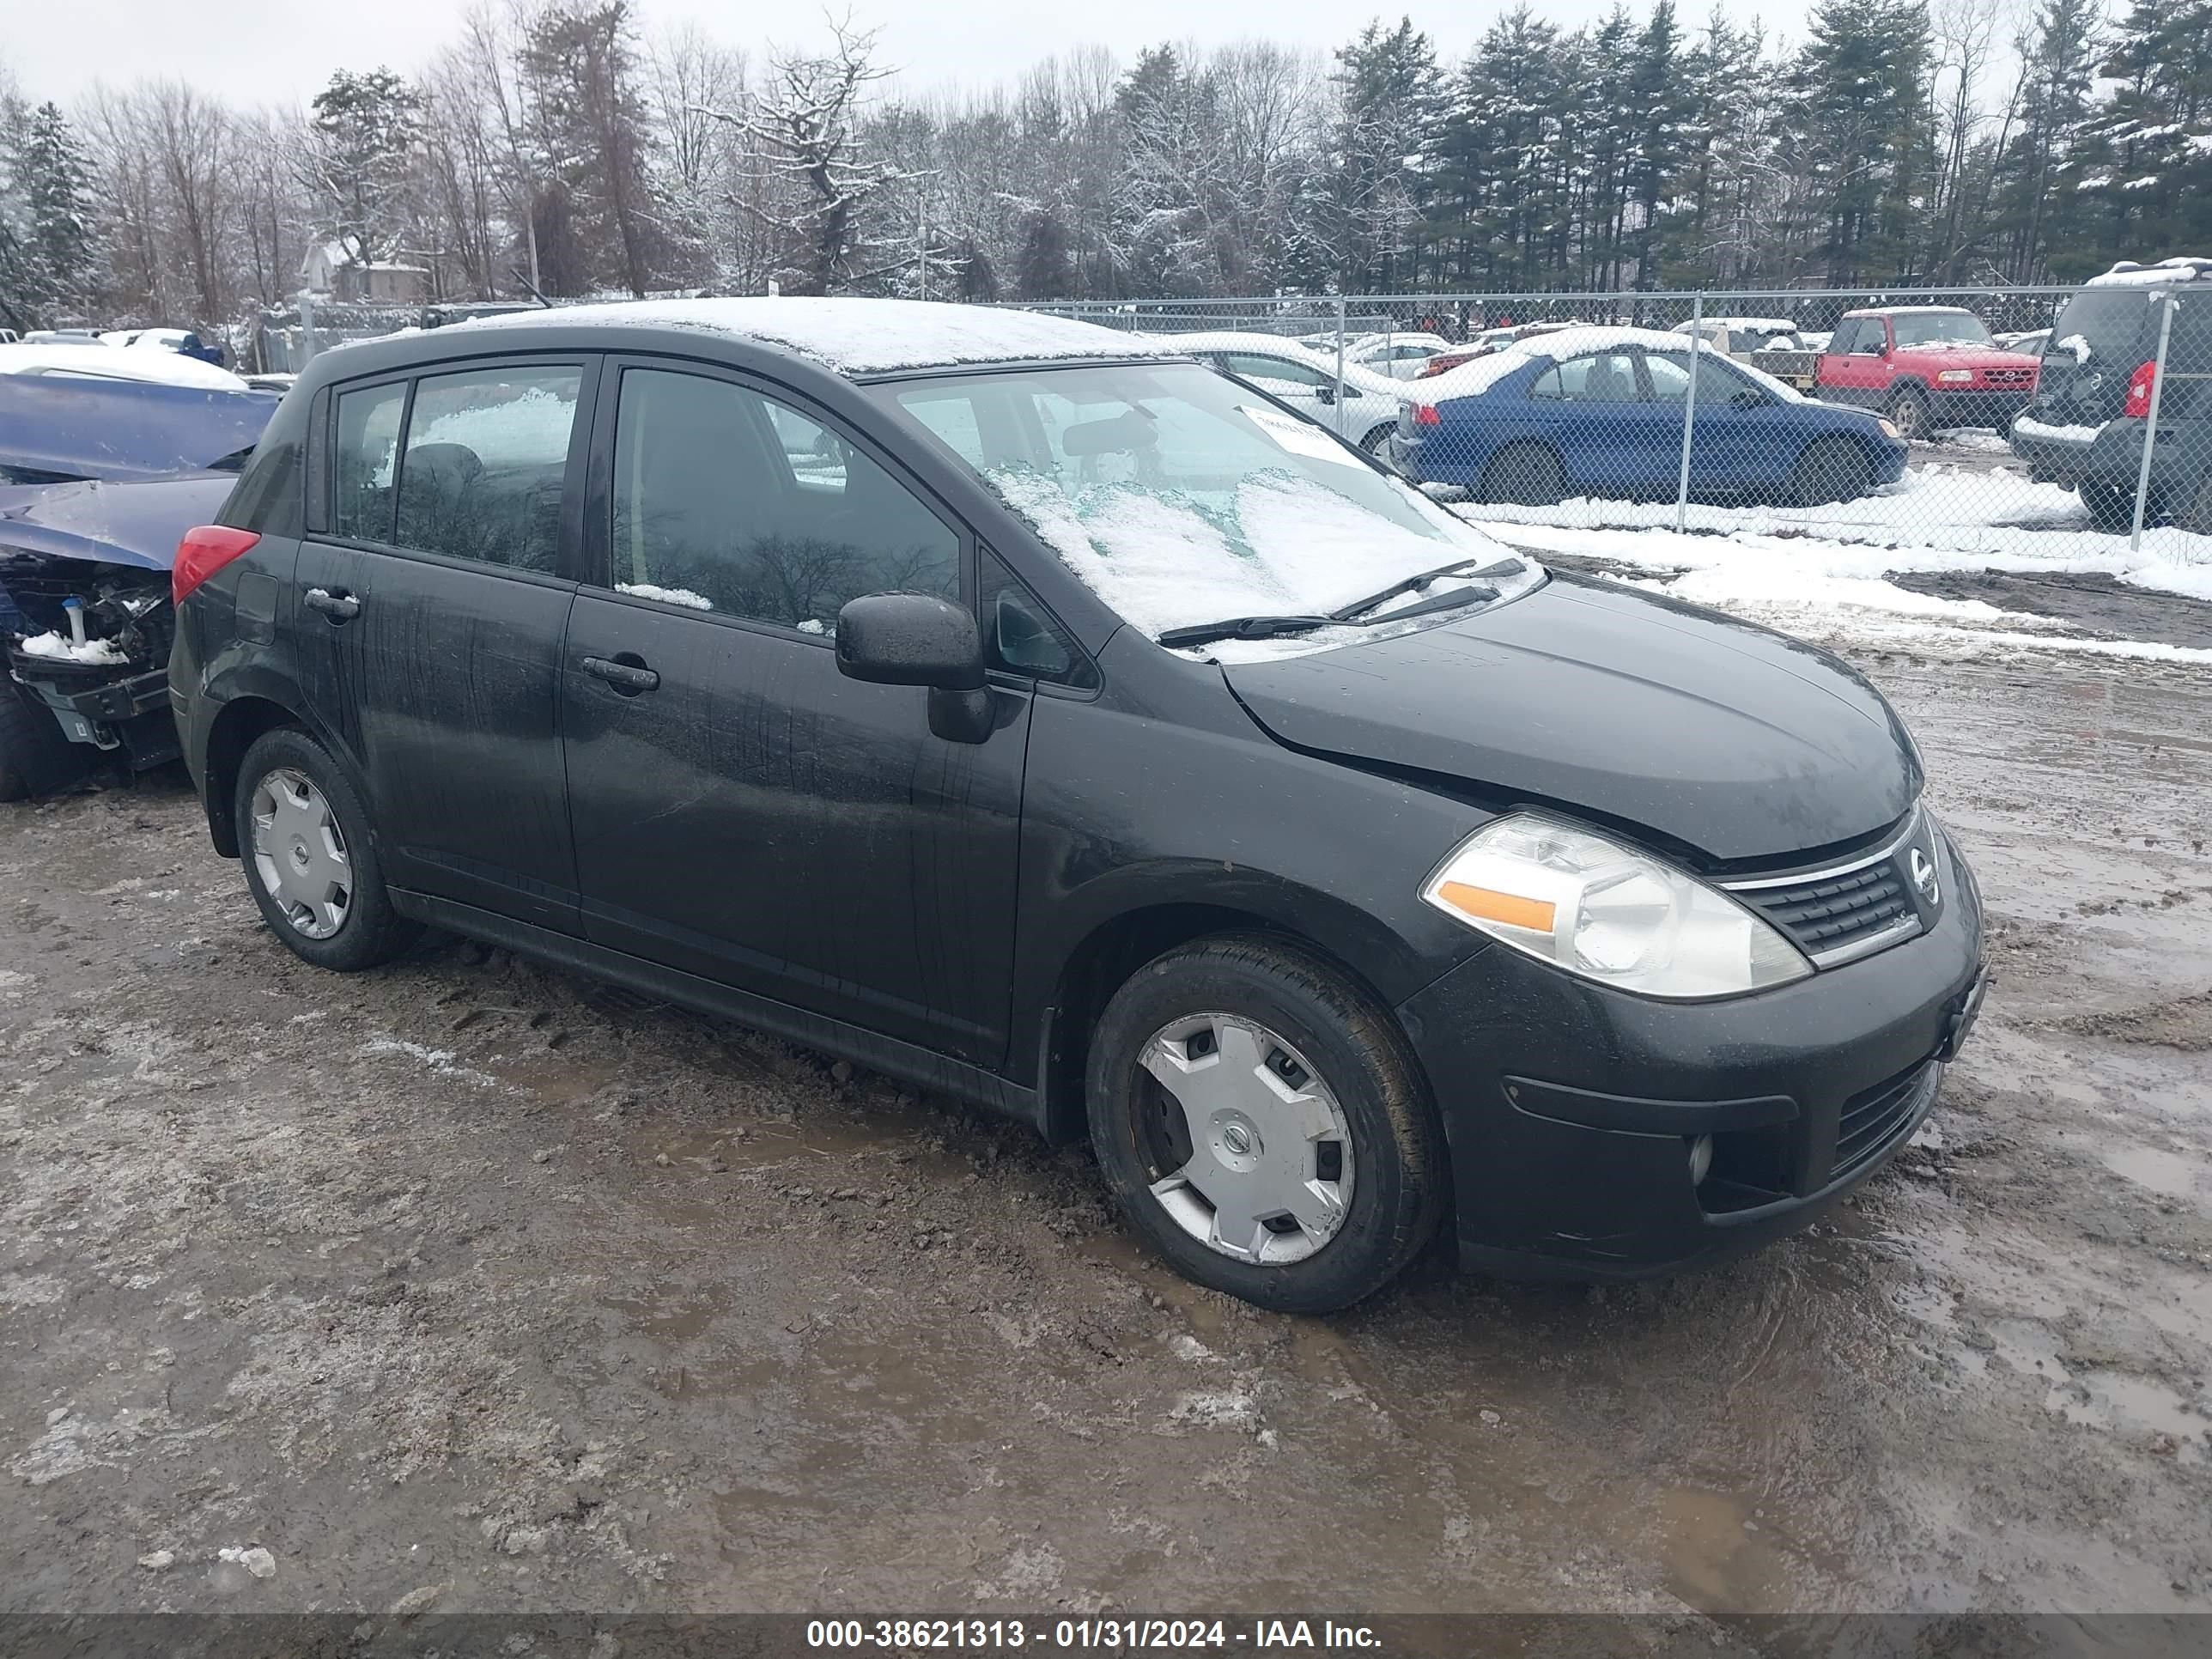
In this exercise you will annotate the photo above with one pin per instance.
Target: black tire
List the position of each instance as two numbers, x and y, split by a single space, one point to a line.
2198 516
372 933
1524 475
1400 1181
35 758
1908 413
2110 507
1831 469
1377 442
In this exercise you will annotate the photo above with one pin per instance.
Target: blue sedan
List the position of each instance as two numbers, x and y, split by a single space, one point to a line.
1600 412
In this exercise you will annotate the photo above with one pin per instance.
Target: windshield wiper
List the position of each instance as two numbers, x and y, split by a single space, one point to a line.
1414 584
1242 627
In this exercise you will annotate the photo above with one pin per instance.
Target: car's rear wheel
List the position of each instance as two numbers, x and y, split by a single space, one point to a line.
310 858
1262 1125
1832 470
1524 475
1908 413
2110 507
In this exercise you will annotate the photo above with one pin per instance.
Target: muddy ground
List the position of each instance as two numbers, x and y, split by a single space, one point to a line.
473 1282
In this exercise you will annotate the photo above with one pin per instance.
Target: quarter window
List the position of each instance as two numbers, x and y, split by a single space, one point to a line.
482 474
725 501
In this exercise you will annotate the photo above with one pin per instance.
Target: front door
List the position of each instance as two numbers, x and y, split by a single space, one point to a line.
427 616
1735 445
742 810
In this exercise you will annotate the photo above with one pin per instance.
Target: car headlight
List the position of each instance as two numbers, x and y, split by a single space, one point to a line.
1956 376
1608 913
1889 430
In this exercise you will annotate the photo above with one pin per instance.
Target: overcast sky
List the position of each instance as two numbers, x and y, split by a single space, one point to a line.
281 52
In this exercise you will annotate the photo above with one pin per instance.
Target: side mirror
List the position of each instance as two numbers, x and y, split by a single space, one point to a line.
917 639
1326 394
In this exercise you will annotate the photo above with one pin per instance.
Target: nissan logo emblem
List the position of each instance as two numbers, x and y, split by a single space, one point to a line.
1923 877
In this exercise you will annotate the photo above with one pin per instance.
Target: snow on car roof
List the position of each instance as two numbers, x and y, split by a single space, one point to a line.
1744 324
2165 274
102 362
1910 311
857 336
1472 379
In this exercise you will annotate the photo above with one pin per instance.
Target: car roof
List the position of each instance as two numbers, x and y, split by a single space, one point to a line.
1910 311
846 336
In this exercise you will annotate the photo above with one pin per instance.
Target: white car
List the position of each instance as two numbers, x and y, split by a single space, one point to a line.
1400 356
1306 380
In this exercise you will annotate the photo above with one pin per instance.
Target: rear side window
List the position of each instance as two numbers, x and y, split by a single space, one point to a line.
366 454
728 502
1603 377
481 476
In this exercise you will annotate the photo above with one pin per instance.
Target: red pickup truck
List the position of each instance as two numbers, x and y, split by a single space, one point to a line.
1925 367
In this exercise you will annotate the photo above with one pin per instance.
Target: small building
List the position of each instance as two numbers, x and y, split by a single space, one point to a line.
330 268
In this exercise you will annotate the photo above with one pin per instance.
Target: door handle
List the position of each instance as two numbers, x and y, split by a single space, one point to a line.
340 606
628 678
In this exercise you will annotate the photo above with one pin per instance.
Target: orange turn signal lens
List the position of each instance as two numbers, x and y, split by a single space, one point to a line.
1488 904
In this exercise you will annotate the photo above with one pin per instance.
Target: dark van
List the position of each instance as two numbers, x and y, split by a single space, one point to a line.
2086 427
1025 711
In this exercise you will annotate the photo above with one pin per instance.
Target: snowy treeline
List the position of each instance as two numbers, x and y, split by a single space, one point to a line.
563 146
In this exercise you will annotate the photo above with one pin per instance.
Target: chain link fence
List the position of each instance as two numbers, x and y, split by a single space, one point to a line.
2064 426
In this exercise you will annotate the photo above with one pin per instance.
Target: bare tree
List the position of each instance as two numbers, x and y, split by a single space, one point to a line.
806 130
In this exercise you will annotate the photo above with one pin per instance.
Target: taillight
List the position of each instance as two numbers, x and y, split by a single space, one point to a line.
205 550
1425 415
2140 386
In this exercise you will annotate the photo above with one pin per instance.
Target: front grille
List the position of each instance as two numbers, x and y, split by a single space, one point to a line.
1834 913
1871 1119
2008 377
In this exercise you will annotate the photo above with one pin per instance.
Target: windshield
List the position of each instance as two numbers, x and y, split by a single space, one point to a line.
1940 328
1181 497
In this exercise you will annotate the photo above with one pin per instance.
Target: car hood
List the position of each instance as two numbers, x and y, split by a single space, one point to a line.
1971 356
138 523
1728 739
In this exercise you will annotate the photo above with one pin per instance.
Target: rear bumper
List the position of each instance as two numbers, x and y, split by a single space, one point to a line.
2113 454
1571 1109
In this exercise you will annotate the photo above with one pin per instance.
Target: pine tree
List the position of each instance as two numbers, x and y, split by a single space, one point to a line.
361 139
55 182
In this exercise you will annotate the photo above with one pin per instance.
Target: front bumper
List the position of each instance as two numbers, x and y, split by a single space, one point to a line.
130 713
1978 406
1570 1107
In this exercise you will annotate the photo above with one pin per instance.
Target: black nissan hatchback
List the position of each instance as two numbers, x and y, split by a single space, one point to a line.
1021 710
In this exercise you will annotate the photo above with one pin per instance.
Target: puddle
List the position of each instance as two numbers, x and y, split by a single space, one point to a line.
2168 1174
1720 1558
2115 1402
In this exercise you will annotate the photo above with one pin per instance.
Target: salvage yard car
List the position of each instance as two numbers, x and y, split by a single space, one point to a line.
1600 412
1925 367
2091 416
1017 708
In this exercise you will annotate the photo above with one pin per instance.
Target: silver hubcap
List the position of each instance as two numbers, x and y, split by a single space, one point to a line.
1268 1178
300 853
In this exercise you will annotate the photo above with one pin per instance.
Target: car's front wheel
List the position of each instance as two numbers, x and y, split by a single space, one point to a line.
1908 413
310 859
1263 1126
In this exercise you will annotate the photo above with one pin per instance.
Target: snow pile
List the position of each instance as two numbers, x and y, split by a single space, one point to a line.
856 336
59 648
683 596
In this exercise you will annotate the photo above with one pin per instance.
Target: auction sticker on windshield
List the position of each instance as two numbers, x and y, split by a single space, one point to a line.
1298 437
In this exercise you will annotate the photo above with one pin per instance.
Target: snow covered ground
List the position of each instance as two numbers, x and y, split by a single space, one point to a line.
1820 570
1829 589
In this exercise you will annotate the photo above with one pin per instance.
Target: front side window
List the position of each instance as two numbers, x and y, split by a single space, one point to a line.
1181 497
725 501
366 456
481 473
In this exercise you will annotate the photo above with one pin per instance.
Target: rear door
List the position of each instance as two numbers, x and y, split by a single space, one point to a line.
743 811
426 613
